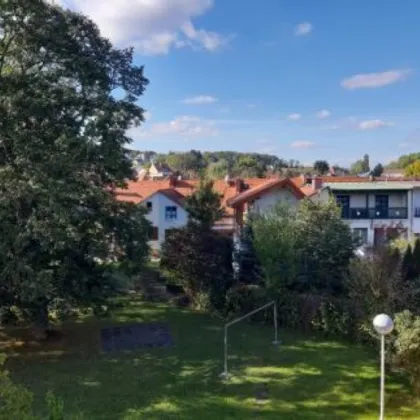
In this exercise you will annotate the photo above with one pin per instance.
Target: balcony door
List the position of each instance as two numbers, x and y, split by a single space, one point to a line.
344 202
381 206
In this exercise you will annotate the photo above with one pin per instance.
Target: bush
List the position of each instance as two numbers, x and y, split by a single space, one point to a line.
375 285
244 298
308 249
201 260
407 346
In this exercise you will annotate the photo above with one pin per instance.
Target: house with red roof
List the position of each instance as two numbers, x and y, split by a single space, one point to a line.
165 201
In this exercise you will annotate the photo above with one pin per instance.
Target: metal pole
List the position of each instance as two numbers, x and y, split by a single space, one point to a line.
382 396
225 374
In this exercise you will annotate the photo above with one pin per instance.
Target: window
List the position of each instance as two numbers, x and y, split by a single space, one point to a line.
149 205
343 201
361 234
381 206
154 233
170 212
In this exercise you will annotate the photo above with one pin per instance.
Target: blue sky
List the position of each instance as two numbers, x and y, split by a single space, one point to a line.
303 79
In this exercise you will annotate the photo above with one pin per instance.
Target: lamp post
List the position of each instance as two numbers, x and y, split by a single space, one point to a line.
383 325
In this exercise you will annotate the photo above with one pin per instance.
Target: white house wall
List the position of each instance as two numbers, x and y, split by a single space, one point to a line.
270 199
416 205
157 217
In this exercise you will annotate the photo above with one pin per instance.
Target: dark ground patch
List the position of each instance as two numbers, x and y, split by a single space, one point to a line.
132 337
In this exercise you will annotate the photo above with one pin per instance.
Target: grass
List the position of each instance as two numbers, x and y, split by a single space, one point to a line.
308 377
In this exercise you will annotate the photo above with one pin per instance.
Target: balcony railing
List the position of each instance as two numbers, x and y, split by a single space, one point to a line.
417 212
375 213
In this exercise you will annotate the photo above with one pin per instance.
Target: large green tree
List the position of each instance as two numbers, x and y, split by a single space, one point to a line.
62 150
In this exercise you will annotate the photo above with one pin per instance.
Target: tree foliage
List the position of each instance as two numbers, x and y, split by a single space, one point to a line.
361 166
413 170
321 167
63 146
204 205
304 249
377 170
201 260
403 161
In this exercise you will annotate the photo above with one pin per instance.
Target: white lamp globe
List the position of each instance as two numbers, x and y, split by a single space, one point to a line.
383 324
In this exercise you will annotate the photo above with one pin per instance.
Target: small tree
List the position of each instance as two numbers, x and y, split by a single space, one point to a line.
377 170
321 167
199 257
204 206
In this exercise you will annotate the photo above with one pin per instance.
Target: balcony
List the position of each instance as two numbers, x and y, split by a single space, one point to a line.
372 213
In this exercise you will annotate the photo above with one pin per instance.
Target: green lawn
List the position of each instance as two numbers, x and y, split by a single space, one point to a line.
307 377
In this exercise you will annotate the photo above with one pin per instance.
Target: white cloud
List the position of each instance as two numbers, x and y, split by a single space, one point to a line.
294 117
375 80
147 116
184 126
323 114
200 100
302 144
373 124
304 28
152 26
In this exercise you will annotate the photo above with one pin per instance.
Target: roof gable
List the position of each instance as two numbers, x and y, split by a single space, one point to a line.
264 188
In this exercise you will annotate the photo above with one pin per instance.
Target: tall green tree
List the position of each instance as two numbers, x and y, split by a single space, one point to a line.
62 150
361 165
204 206
321 167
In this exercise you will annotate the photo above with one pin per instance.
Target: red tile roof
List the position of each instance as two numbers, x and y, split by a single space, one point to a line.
138 191
263 187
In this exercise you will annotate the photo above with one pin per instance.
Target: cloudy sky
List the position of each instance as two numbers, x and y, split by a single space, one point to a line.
304 79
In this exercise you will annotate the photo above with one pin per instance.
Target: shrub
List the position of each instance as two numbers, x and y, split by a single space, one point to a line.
244 298
375 285
407 346
308 249
15 400
201 260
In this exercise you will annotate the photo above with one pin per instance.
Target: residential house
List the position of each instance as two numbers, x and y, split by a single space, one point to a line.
263 197
377 209
159 171
393 173
165 201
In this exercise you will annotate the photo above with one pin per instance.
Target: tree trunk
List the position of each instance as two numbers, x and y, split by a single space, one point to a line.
41 322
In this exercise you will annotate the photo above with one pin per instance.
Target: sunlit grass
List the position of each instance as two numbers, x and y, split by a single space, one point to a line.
308 377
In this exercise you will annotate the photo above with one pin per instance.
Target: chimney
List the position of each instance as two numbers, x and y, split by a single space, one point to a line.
316 183
172 181
239 185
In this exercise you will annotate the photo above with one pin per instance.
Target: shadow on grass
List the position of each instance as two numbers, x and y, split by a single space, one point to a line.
307 377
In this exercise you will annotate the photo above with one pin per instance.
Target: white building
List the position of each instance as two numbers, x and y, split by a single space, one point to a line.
377 210
159 171
165 212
